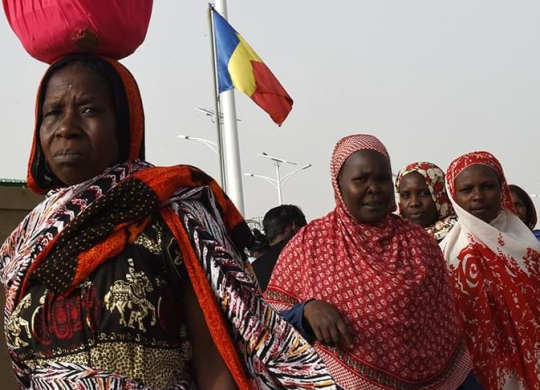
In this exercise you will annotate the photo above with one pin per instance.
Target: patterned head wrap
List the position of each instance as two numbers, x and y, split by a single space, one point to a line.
128 109
484 158
343 150
434 178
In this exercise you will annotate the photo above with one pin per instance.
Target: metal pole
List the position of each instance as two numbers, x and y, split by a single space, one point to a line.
221 155
233 171
278 181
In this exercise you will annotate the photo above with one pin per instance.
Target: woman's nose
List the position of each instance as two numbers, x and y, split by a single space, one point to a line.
415 201
69 125
478 194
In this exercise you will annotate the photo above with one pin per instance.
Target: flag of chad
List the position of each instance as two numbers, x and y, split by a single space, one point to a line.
241 68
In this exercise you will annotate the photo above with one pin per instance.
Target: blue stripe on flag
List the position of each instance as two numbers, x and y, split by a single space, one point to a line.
226 43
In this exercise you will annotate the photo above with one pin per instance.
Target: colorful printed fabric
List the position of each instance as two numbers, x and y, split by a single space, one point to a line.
388 282
434 178
68 239
495 269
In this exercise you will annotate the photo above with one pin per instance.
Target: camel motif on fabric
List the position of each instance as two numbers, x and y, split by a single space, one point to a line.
131 294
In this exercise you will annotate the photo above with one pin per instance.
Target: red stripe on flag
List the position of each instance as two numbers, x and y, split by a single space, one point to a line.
269 93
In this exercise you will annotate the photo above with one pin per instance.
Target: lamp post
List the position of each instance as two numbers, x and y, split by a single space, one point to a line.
211 144
212 114
279 181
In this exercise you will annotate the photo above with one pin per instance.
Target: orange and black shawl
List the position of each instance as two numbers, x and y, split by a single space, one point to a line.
97 218
259 348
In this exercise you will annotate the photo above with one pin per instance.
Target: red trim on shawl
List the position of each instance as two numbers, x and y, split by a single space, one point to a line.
164 181
212 313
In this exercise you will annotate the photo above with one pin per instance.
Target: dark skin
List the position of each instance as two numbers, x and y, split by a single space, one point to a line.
415 200
478 191
519 205
79 141
366 186
78 127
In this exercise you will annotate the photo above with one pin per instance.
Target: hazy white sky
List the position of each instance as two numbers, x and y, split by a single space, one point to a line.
432 79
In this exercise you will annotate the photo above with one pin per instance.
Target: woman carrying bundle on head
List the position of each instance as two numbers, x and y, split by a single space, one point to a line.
131 276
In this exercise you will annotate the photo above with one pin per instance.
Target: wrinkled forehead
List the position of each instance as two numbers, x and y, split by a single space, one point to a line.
76 67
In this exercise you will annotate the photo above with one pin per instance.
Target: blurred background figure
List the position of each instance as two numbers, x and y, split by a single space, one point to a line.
260 245
280 224
524 206
422 199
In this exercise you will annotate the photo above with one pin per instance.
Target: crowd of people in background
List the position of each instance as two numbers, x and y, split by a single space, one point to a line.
337 278
131 276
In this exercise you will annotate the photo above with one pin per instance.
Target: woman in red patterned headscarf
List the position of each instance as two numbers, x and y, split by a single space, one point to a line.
378 299
494 260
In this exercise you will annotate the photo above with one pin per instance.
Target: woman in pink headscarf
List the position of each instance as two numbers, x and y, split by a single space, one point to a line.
371 286
494 260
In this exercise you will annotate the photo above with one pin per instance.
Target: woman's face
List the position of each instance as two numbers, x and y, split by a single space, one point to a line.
415 200
78 129
519 205
366 186
478 191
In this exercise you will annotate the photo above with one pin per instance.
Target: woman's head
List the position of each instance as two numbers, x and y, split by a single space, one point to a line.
421 195
477 184
362 178
523 205
89 118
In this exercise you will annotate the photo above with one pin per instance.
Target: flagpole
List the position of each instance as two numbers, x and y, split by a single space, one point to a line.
231 150
217 111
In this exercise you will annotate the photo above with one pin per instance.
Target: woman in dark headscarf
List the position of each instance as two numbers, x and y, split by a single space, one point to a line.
371 286
422 199
130 275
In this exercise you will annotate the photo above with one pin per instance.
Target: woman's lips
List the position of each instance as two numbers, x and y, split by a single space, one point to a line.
67 155
373 206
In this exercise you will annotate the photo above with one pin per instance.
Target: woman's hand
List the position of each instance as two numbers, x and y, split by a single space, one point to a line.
327 324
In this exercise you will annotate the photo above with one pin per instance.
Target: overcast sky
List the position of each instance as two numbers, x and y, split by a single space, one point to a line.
432 79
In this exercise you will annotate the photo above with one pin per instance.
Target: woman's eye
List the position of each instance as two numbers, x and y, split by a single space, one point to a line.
89 110
51 112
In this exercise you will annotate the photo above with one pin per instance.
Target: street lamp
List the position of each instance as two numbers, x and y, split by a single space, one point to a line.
279 181
212 114
211 144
